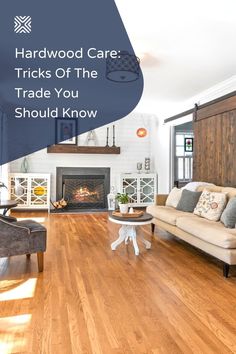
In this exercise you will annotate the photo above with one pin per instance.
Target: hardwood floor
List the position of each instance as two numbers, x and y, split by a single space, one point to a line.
89 299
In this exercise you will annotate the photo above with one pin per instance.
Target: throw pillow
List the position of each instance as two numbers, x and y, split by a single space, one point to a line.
174 197
188 201
211 205
228 217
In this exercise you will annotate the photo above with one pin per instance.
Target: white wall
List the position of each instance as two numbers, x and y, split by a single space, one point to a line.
133 150
4 170
160 140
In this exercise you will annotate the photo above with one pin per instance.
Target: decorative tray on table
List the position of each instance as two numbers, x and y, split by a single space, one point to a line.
135 214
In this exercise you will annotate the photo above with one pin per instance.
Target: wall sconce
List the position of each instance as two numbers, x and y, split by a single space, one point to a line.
141 132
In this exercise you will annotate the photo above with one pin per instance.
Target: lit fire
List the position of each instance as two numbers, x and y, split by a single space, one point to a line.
83 194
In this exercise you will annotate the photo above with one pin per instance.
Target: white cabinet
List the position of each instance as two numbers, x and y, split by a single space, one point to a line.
141 188
30 190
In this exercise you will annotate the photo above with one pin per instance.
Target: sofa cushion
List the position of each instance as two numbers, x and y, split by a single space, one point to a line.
188 201
211 205
166 214
174 197
193 186
230 191
228 217
209 231
211 188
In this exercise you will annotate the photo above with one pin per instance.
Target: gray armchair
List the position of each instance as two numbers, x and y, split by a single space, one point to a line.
22 238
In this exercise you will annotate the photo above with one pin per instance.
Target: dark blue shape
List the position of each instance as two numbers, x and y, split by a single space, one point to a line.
70 26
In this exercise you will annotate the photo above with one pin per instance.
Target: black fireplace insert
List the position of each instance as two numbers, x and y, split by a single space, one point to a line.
83 188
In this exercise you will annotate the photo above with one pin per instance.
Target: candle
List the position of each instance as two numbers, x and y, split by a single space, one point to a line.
107 136
113 131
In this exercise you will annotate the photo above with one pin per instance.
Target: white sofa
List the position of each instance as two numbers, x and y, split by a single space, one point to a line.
210 236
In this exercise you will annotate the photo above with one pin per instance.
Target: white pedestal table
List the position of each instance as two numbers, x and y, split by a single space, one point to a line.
128 232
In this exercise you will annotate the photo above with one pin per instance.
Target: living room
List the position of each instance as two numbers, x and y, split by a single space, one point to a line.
120 237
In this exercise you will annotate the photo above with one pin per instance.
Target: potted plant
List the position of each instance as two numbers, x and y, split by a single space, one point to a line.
123 200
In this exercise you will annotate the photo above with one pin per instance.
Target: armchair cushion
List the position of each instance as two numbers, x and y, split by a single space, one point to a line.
21 237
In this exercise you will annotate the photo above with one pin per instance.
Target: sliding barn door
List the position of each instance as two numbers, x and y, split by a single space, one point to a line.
215 143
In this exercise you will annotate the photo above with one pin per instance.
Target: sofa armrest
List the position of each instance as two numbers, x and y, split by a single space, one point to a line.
161 199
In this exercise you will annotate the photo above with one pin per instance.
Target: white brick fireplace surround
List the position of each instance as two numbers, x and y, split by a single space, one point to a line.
133 150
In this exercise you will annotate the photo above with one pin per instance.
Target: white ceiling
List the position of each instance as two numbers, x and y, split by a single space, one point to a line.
185 46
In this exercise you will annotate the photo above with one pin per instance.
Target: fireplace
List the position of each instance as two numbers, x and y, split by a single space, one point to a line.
84 192
84 188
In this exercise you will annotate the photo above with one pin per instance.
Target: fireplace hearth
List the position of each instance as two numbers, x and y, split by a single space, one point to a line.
84 188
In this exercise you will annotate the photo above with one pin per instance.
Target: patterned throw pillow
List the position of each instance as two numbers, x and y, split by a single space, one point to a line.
174 197
211 205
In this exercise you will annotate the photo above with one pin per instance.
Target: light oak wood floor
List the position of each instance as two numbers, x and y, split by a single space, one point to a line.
89 299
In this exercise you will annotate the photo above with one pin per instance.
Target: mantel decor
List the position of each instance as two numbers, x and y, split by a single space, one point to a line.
91 139
113 137
66 131
73 149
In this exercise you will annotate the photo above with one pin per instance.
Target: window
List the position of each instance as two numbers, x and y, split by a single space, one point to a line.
179 145
183 159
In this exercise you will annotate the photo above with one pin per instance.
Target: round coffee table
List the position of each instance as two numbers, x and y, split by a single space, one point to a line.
127 231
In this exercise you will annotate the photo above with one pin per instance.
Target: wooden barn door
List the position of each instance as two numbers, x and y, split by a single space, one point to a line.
215 143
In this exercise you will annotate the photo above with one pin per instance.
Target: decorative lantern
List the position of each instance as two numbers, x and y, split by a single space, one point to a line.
147 164
141 132
111 199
